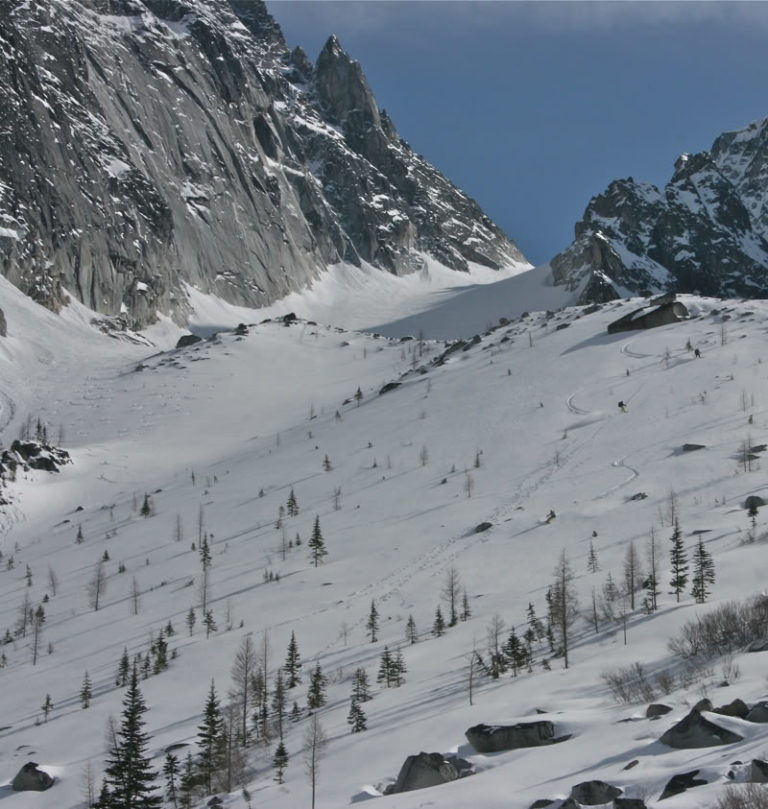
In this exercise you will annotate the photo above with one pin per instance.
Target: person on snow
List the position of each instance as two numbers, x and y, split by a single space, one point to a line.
623 406
551 516
697 353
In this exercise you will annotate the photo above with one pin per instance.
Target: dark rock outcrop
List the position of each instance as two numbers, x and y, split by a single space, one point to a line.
680 783
695 731
758 713
594 793
148 144
737 708
188 340
496 738
706 231
428 770
649 318
33 455
31 779
628 803
657 709
758 771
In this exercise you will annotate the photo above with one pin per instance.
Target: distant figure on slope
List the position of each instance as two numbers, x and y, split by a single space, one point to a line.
551 516
623 406
697 353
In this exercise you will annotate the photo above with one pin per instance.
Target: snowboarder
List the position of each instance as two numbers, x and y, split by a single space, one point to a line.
697 353
551 516
623 406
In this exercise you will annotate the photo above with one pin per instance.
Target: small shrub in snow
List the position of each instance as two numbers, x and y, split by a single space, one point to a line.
744 796
629 684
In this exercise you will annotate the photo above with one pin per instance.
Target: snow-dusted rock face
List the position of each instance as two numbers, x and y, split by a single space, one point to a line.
706 232
147 143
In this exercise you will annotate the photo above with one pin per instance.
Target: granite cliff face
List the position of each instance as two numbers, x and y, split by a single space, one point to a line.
149 144
706 232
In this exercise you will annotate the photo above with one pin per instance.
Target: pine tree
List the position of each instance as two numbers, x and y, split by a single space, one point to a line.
278 702
46 707
316 544
327 464
123 670
592 564
356 717
465 613
372 625
703 572
563 603
205 565
513 651
187 783
210 623
386 672
171 772
411 635
128 775
280 762
146 507
86 691
316 693
241 692
360 692
438 625
292 506
292 664
191 619
678 562
209 740
632 574
650 602
295 714
534 624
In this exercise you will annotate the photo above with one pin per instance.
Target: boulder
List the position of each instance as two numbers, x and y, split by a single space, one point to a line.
389 386
695 731
703 705
483 526
758 713
680 783
628 803
758 771
693 447
541 803
30 779
428 770
737 708
496 738
187 340
657 709
593 793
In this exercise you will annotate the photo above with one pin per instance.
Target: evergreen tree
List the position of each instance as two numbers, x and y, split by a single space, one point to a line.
372 624
327 464
292 505
205 565
438 625
278 702
592 564
292 664
360 692
280 762
399 669
356 717
191 619
410 631
650 602
703 572
187 783
563 603
316 693
171 773
465 613
316 544
146 507
386 671
534 624
86 691
46 707
678 562
128 775
514 652
209 740
210 623
123 670
295 714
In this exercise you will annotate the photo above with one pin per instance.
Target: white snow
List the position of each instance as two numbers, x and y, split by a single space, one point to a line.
537 413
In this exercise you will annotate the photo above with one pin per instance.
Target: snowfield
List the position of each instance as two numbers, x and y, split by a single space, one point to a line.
519 421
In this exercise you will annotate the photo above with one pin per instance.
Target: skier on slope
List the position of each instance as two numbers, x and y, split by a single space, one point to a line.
623 406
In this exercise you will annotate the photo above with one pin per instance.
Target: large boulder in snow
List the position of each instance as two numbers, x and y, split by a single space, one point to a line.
680 783
737 708
496 738
758 713
428 770
758 771
593 793
696 731
657 709
30 779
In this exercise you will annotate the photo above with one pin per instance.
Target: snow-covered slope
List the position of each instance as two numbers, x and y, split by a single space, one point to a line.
502 429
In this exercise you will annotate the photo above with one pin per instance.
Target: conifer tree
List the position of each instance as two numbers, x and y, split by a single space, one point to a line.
46 707
210 623
465 613
678 562
128 775
632 575
316 693
703 572
386 672
372 624
650 602
191 620
592 564
438 625
187 783
534 624
411 634
209 740
563 603
241 693
292 664
295 714
123 670
360 692
205 565
278 702
292 506
146 507
280 762
171 773
86 691
317 544
356 717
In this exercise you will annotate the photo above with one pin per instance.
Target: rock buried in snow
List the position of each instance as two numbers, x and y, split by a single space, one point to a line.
696 731
483 526
758 713
389 386
737 708
428 770
30 779
628 803
656 709
693 447
187 340
593 793
758 771
680 783
496 738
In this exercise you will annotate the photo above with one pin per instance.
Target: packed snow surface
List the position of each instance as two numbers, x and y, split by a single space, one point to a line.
520 421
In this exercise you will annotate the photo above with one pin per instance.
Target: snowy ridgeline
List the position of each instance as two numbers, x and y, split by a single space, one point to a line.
264 566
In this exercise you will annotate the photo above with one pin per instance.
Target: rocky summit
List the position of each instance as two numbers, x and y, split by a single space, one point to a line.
706 232
150 144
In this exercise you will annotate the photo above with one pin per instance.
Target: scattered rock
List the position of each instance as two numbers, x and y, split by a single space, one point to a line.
389 386
693 447
638 496
496 738
631 764
737 708
758 771
657 709
680 783
289 318
628 803
758 713
696 731
187 340
428 770
593 793
241 330
703 705
30 779
483 526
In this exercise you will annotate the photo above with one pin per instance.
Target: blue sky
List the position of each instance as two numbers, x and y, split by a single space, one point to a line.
534 107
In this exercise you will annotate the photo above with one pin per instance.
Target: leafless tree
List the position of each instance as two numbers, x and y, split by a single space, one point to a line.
53 581
135 596
97 585
632 573
314 745
451 593
564 602
241 692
